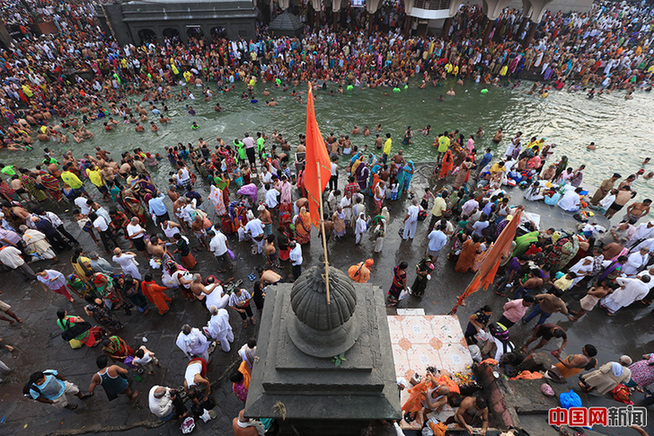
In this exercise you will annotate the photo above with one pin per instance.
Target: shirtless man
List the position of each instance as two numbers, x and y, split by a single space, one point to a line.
154 247
197 287
624 195
108 173
300 203
627 182
172 191
269 249
17 185
355 130
379 142
102 154
266 219
198 227
637 210
268 277
471 411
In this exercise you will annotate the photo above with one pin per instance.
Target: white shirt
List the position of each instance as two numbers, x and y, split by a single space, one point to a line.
124 260
81 203
219 323
296 255
634 262
254 227
101 224
248 142
218 244
334 169
412 212
437 240
53 280
271 198
570 201
143 360
642 232
183 177
479 227
215 297
133 229
195 343
54 219
160 407
10 257
266 177
169 231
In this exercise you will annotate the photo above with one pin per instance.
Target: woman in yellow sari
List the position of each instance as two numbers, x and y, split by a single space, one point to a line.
355 165
302 224
82 266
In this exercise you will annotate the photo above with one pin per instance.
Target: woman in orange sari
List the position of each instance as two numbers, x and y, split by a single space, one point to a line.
302 224
480 257
467 256
447 164
155 293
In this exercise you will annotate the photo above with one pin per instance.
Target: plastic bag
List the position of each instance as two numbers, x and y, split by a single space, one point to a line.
547 390
188 425
475 352
206 416
230 253
569 399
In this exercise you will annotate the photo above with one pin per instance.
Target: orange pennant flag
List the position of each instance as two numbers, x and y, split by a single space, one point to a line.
488 268
318 168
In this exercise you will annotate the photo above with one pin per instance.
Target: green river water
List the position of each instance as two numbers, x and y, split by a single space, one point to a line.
622 129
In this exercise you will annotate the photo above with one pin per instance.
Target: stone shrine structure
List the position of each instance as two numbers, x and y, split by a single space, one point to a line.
296 377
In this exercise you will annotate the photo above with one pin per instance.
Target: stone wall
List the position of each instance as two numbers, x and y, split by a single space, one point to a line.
136 22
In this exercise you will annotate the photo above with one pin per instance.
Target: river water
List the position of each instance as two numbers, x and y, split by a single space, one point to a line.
622 129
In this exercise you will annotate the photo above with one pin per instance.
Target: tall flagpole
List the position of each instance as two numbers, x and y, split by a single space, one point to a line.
324 238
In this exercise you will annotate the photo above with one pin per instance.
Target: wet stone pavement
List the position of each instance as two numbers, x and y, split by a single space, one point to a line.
39 345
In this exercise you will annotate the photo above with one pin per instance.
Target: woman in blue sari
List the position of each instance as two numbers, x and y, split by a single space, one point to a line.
404 181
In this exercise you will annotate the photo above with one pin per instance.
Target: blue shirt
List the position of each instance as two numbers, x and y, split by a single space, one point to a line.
157 206
437 240
51 389
485 160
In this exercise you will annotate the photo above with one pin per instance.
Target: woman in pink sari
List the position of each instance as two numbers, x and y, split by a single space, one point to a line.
285 191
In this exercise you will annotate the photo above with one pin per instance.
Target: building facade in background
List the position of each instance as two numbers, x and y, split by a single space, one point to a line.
138 22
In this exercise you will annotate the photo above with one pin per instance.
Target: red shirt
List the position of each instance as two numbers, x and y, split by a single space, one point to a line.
352 188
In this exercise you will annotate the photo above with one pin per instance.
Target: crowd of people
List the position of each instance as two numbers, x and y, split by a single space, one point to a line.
606 48
147 234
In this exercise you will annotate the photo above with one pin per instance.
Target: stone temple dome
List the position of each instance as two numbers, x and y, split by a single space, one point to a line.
309 299
320 329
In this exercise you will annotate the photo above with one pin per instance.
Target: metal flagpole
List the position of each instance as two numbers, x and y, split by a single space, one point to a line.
324 238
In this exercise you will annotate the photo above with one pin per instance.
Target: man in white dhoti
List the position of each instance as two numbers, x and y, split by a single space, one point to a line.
636 261
193 343
360 229
127 263
219 328
631 290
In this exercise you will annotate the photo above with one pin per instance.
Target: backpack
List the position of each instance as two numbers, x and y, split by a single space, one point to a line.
499 331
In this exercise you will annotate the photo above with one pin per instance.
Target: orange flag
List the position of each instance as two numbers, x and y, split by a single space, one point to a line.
317 163
488 268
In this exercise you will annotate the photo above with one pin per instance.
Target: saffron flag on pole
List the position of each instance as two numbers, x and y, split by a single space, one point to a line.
318 168
488 268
